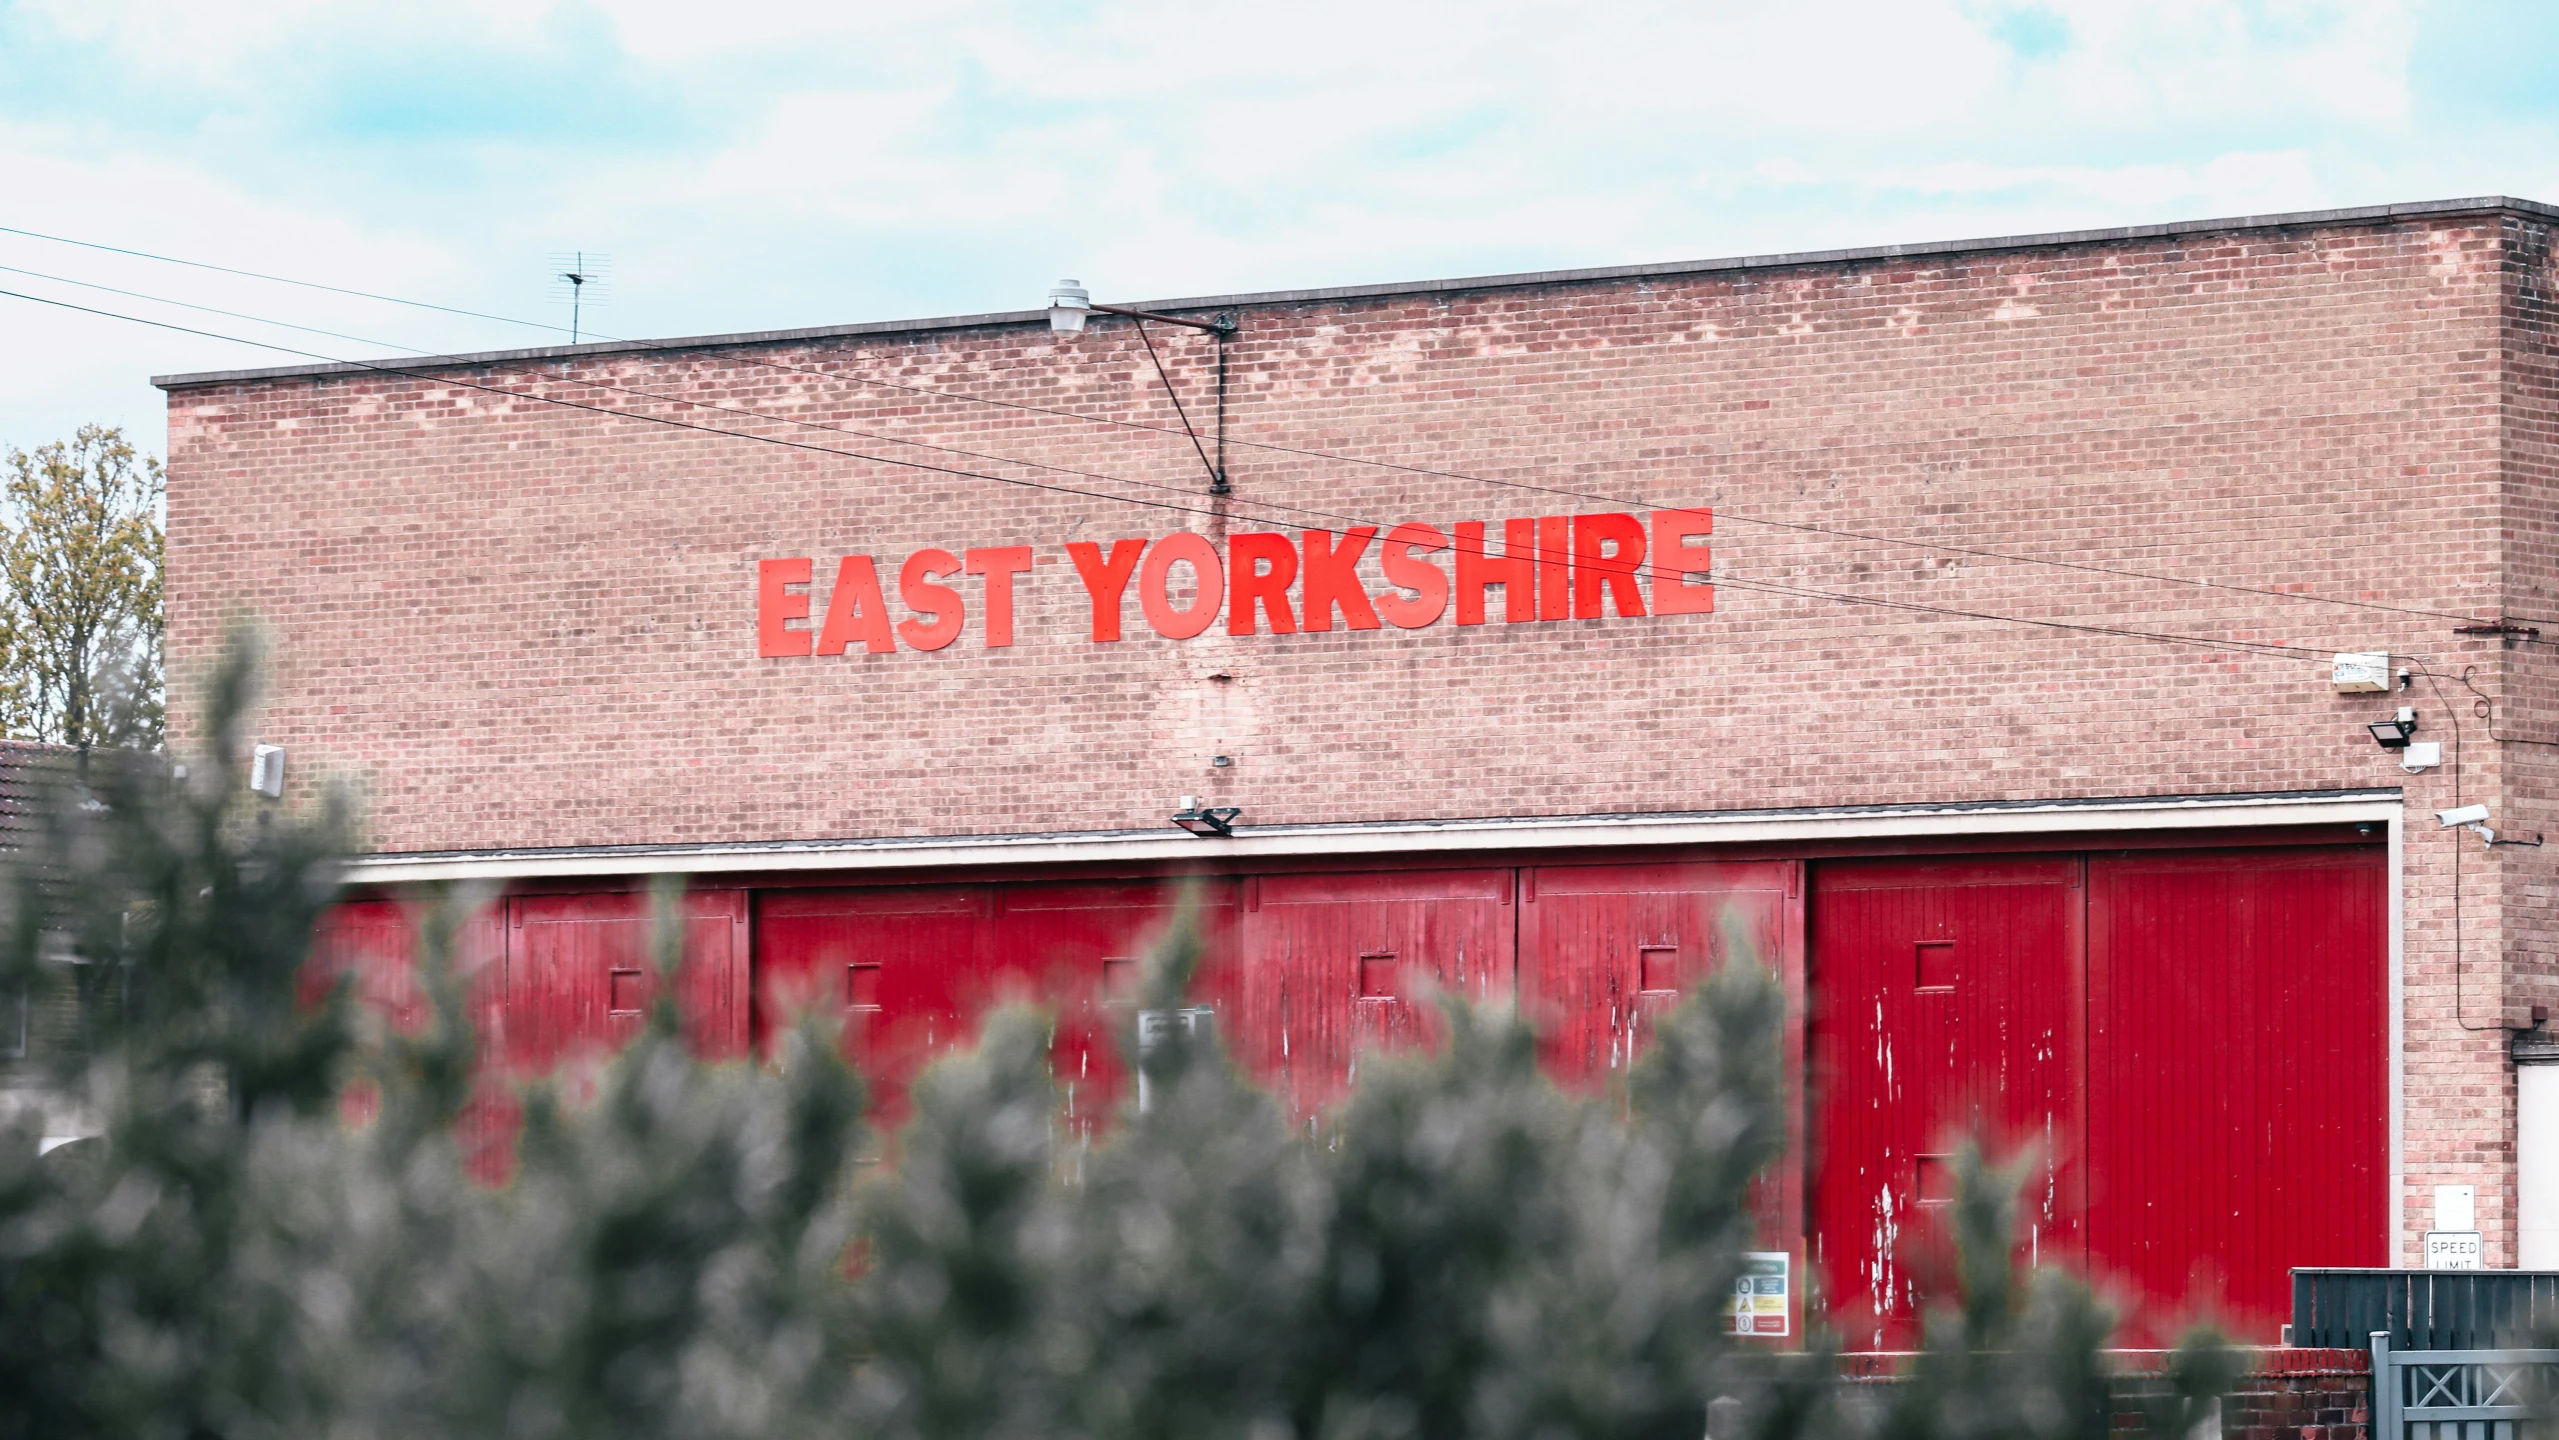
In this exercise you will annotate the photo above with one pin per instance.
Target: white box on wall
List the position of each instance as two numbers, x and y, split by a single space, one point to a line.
2359 672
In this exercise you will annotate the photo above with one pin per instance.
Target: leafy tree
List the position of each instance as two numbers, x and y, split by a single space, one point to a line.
699 1249
80 551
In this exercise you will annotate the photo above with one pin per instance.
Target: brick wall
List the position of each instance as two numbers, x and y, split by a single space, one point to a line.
2286 1394
520 624
2302 1395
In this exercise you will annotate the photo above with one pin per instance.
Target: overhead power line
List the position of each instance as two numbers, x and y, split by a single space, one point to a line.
693 402
1719 579
1800 527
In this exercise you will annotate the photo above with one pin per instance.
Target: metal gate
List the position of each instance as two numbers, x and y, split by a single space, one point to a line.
2460 1394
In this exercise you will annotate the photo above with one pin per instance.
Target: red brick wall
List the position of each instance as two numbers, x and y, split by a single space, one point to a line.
2287 1394
523 625
2302 1395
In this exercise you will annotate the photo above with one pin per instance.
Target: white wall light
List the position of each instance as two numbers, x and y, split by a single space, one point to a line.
266 771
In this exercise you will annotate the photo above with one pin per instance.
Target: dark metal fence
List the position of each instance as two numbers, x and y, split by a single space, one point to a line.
2461 1394
2425 1309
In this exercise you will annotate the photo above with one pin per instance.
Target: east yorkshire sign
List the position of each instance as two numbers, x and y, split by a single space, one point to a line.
1553 567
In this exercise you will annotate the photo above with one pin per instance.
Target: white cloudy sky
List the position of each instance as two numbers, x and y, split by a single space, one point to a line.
751 165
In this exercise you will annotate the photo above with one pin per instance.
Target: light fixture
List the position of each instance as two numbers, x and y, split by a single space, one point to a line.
2393 734
1070 305
266 771
1206 820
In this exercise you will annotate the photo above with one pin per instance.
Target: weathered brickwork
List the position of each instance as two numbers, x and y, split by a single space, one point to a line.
523 624
2302 1395
2286 1394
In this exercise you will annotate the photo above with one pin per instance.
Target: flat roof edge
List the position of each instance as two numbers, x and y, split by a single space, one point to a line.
2299 219
1447 825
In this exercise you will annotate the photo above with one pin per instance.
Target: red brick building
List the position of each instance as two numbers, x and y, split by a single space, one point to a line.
2012 736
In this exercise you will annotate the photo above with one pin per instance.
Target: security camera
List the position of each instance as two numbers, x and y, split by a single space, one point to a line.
2465 815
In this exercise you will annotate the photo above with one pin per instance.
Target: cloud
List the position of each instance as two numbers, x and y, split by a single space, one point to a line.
801 164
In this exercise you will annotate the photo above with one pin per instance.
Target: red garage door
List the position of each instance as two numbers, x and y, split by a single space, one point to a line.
2193 1044
1946 1003
375 944
1605 949
912 970
2238 1081
1085 942
581 975
1334 965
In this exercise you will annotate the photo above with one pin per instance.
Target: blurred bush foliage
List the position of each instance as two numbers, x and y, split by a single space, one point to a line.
703 1250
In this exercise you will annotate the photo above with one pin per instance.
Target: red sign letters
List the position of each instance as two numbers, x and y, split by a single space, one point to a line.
1553 567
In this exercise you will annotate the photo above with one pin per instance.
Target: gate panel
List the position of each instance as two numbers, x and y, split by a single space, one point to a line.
1335 964
2238 1088
1946 1002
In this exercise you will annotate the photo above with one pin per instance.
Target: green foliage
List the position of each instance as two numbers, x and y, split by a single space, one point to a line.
702 1249
80 553
228 1257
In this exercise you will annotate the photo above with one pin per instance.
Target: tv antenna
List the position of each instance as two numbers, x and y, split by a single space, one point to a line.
580 278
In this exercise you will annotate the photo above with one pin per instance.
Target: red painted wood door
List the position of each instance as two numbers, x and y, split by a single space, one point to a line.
1080 945
1946 1001
376 943
2238 1079
1605 950
580 977
902 970
1334 965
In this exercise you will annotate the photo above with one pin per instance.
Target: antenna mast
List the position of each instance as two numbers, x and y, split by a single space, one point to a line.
581 279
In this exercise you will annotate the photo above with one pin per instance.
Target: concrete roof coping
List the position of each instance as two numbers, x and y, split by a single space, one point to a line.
2295 220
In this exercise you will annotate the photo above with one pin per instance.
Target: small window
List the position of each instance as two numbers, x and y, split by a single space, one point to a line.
1657 969
1377 975
862 985
629 995
1119 980
1936 965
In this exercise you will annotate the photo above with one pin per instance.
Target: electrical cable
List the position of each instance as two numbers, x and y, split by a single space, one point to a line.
2460 1008
2486 709
2269 648
693 402
605 410
1731 515
1216 477
1536 553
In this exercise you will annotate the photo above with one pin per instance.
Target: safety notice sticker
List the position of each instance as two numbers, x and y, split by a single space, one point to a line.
1759 1296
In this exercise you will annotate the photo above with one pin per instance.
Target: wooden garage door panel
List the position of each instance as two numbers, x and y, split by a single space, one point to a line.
1081 945
581 978
1605 950
2238 1078
1333 966
1947 1003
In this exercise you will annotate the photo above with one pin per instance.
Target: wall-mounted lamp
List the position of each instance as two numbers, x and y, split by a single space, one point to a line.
1206 820
266 771
1070 305
2393 734
2415 756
